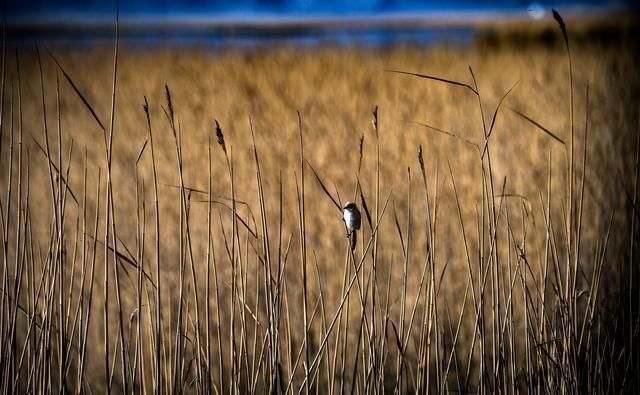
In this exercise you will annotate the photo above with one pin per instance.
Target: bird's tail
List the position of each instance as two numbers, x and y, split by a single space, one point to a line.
353 237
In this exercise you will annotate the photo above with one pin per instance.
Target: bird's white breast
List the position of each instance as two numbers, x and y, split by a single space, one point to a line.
349 219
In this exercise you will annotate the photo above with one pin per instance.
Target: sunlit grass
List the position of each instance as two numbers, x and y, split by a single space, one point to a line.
192 238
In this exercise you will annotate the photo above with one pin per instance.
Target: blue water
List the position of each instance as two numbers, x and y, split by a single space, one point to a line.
33 8
243 23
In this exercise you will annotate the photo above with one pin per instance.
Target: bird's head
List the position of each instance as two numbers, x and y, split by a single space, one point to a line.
349 206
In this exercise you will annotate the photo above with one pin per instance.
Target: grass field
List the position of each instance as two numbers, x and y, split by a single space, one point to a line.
506 269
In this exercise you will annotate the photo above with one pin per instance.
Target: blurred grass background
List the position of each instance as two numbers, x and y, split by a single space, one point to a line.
335 90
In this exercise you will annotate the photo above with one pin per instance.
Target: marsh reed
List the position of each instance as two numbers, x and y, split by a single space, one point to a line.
252 312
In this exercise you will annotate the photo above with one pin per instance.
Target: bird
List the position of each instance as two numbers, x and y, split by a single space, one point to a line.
351 217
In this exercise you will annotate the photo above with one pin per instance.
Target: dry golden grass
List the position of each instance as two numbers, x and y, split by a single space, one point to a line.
335 90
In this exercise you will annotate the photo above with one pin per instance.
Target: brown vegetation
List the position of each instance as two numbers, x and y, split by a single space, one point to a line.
498 269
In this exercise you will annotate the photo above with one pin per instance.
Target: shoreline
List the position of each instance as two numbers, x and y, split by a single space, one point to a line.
226 29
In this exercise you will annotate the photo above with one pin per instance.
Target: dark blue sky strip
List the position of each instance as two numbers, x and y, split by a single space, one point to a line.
42 8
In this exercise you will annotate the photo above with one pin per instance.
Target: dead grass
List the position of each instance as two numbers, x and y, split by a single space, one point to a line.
427 268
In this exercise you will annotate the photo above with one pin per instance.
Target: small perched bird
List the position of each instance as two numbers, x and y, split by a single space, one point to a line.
351 217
